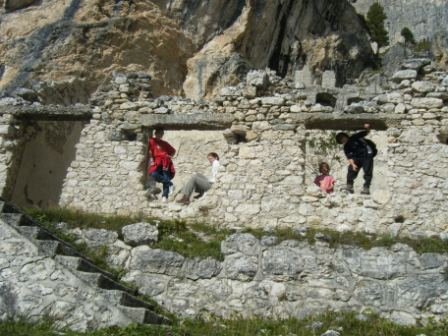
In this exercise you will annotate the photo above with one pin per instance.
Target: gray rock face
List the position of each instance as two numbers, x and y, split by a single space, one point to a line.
426 102
404 74
245 243
285 37
423 19
140 233
296 279
150 260
257 78
96 237
423 86
35 286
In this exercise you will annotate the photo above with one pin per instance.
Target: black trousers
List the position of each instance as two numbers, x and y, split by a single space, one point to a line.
367 166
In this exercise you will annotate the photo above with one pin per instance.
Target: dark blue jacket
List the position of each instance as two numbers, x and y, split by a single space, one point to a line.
357 147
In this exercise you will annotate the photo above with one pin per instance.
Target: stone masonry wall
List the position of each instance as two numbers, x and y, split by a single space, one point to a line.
266 153
267 278
264 181
35 286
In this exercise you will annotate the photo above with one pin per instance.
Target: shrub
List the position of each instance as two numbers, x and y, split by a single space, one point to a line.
375 23
407 35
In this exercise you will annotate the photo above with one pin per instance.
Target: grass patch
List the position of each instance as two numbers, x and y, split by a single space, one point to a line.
346 323
202 240
358 239
190 240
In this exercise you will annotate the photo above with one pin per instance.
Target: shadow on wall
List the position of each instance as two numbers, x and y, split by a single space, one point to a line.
46 156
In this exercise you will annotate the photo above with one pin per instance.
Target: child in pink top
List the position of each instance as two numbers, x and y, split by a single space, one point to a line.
324 181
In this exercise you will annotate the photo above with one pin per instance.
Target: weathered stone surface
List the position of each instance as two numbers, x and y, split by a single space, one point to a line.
292 272
140 233
240 267
202 269
193 121
150 260
37 287
445 81
96 237
423 86
282 263
427 103
404 74
272 100
424 22
244 243
257 78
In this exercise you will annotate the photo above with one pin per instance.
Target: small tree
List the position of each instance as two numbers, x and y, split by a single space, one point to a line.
375 23
407 35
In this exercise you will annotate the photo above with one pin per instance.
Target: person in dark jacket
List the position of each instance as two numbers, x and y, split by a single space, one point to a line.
360 153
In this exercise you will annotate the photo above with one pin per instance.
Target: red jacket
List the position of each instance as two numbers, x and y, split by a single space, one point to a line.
161 152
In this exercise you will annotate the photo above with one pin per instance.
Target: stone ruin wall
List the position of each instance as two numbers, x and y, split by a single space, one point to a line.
410 182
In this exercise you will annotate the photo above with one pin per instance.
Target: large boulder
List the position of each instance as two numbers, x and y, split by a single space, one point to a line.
140 233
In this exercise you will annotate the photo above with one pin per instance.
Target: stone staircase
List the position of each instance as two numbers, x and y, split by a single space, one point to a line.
63 253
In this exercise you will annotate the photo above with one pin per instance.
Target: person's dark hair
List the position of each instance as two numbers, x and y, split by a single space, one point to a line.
340 136
213 154
322 165
159 130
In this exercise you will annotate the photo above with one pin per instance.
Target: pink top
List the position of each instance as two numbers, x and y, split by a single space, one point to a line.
325 183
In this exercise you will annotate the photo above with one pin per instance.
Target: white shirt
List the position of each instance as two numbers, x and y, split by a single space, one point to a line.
215 168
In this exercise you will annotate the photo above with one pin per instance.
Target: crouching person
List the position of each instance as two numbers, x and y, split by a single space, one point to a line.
360 153
200 183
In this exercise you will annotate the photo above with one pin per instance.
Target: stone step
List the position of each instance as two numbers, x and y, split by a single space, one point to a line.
16 219
118 297
78 264
99 280
34 232
48 247
142 315
7 208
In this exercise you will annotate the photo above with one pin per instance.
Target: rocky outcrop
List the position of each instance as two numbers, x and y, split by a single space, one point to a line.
283 36
66 49
424 19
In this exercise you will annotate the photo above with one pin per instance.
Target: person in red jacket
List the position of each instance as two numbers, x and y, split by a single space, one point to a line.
161 168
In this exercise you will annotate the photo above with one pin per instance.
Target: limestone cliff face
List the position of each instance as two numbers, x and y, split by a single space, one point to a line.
282 35
68 47
424 18
71 46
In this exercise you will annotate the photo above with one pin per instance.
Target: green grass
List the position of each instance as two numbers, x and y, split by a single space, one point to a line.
359 239
190 240
202 240
346 323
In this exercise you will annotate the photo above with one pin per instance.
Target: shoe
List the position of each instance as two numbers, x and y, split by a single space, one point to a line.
365 191
184 200
349 188
164 199
171 189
